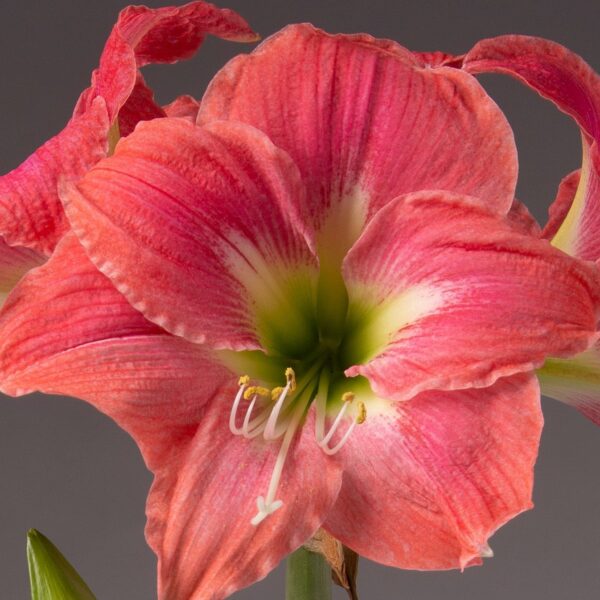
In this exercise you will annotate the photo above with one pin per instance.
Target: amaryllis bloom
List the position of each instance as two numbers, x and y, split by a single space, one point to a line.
573 86
32 219
317 307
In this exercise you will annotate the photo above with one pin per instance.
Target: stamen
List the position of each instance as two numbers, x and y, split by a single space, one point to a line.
244 380
256 390
360 418
271 431
290 377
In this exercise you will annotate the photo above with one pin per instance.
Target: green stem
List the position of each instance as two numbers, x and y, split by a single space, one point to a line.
308 576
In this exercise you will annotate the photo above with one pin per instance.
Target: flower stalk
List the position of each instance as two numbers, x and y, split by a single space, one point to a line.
308 576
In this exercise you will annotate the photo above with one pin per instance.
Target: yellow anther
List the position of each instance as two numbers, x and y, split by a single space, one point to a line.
275 393
290 377
256 390
244 380
362 413
347 397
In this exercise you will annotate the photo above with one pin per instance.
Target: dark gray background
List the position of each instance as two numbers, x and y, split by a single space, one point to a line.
70 472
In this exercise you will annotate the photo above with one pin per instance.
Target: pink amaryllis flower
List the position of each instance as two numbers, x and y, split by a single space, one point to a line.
316 307
573 86
32 220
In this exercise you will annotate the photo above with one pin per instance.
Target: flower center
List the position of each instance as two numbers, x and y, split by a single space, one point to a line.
277 413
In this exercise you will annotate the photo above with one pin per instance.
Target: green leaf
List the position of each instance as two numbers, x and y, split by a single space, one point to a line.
50 574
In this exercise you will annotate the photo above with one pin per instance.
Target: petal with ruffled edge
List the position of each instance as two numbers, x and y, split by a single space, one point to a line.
573 86
462 303
428 482
185 107
30 212
140 106
522 220
365 122
201 504
145 35
563 201
575 381
199 229
65 329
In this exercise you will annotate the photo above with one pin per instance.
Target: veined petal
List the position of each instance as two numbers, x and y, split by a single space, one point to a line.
573 86
575 381
66 330
365 122
202 501
199 229
427 484
145 35
559 209
15 261
183 106
522 220
31 214
140 106
462 303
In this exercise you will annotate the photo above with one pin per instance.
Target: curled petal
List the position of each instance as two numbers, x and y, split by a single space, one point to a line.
66 330
573 86
140 106
428 482
562 203
462 303
31 214
202 501
145 35
198 228
365 122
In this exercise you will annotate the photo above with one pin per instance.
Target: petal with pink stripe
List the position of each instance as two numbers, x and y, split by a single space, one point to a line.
365 122
200 229
462 303
426 484
209 549
65 329
573 86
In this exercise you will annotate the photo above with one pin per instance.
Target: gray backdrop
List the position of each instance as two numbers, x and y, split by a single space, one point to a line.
70 472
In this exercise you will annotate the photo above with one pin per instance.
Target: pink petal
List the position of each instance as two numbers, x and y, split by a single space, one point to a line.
15 261
183 106
425 486
202 501
31 214
163 35
365 122
66 330
522 220
462 303
199 229
575 381
140 106
562 203
550 69
573 86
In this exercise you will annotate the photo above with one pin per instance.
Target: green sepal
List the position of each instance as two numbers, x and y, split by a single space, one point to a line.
50 574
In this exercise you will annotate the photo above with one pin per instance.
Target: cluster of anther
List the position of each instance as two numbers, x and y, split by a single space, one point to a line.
280 415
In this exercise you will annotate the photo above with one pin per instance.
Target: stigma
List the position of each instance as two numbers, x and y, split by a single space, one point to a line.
277 414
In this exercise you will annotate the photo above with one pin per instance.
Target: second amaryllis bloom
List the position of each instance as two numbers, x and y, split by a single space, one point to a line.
316 307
